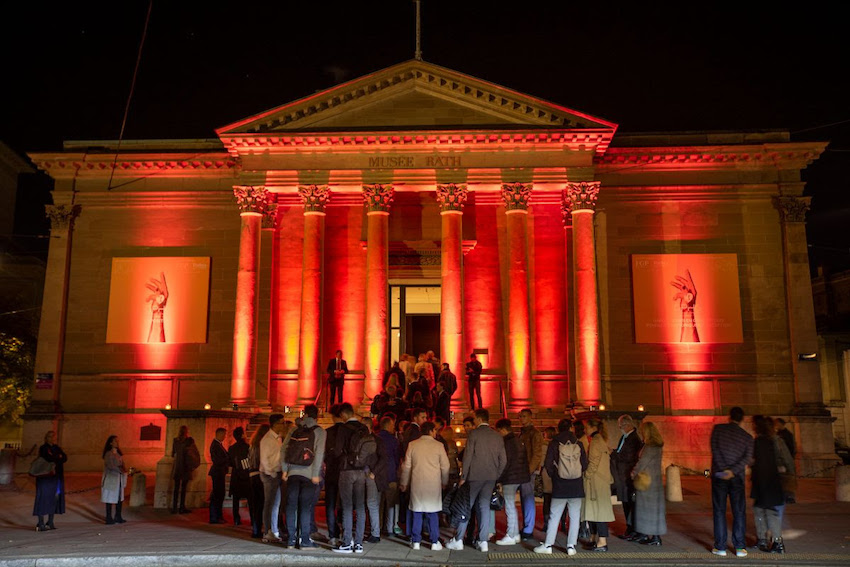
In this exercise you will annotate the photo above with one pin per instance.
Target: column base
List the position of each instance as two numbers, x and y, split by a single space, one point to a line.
813 409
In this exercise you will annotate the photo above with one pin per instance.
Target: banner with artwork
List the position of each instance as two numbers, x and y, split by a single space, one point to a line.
158 300
686 298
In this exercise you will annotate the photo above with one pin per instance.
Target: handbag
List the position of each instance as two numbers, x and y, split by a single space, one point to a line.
642 481
497 500
40 467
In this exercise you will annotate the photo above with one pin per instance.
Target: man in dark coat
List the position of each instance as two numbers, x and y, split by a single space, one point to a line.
516 473
240 478
788 438
473 380
623 460
442 402
448 379
218 473
337 369
332 466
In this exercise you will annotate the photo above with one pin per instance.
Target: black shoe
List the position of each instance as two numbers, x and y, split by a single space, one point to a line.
174 510
634 536
628 536
41 528
654 540
762 545
642 539
50 526
778 546
109 521
255 535
601 548
307 544
237 523
373 539
120 520
185 511
525 537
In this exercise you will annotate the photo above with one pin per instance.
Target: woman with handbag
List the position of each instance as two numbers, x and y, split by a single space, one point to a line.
650 507
771 459
114 481
598 510
49 486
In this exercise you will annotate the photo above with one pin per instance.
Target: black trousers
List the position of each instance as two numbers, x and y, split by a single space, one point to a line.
179 493
256 503
475 389
217 497
331 495
336 387
629 513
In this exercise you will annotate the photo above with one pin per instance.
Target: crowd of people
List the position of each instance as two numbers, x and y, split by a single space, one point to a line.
409 478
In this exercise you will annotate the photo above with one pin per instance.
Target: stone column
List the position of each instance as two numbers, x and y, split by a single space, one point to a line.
515 196
452 198
314 198
268 264
252 202
567 217
377 199
582 197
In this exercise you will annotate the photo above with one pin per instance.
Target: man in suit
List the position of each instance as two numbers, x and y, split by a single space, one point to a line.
484 460
442 402
473 379
623 460
337 369
218 472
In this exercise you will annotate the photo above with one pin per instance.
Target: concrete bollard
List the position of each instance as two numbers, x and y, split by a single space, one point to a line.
674 484
842 483
138 492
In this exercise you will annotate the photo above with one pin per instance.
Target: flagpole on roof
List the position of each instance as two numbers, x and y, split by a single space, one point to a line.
418 53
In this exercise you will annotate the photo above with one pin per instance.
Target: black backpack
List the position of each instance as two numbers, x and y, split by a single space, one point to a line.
361 448
299 450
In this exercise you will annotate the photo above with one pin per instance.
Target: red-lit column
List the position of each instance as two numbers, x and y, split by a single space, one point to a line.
377 199
314 197
582 197
567 216
252 203
515 196
452 198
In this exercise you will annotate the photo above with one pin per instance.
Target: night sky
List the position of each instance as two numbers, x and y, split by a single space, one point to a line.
648 67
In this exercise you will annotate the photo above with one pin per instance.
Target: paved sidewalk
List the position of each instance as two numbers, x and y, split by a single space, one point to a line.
817 533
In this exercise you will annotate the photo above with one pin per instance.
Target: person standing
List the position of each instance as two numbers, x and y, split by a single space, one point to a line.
333 462
771 458
448 378
515 475
389 495
442 402
565 462
731 451
352 480
186 460
650 508
597 483
535 450
50 489
473 380
623 461
337 369
271 474
240 477
431 359
376 474
302 454
114 480
785 435
218 474
484 460
426 472
256 499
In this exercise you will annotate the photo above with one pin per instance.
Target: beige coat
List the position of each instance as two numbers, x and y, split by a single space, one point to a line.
425 471
597 483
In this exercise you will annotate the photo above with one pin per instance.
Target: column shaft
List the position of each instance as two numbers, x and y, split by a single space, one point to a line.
451 298
377 268
588 388
519 336
243 385
309 373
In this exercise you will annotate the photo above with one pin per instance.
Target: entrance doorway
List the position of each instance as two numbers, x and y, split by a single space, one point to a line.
414 320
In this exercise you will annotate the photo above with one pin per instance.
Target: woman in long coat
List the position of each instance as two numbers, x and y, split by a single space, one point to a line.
650 508
770 458
597 483
50 490
114 481
425 470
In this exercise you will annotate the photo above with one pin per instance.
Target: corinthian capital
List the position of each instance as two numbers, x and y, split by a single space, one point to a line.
270 214
582 195
314 197
451 197
793 209
515 196
251 198
566 208
377 197
61 216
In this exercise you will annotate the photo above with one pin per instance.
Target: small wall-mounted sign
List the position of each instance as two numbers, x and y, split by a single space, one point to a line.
151 433
44 381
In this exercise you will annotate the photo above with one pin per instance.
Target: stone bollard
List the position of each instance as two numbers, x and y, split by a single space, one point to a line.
842 483
138 492
674 484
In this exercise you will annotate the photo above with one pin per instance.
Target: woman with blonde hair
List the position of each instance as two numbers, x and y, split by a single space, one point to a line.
597 484
650 510
114 480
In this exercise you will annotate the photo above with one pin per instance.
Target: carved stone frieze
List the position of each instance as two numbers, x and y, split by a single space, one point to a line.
451 196
251 198
516 195
314 197
377 197
583 195
566 208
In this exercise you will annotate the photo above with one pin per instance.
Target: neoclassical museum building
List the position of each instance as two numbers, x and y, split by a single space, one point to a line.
415 209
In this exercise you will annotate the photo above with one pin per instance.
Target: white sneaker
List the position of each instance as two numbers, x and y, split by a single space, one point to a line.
741 552
482 546
436 546
718 552
508 540
415 546
271 537
543 548
571 550
455 544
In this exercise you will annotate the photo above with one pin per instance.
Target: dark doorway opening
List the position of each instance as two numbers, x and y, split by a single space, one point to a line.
422 333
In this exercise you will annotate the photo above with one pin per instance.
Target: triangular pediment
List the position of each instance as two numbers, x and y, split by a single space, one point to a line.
411 96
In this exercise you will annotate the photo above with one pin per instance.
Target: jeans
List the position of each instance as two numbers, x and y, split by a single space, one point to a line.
509 491
529 507
373 504
556 510
768 519
299 506
317 489
352 492
479 492
331 498
271 502
433 526
734 490
389 507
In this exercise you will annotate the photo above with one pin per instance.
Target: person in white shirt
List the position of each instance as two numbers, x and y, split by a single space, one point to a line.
270 473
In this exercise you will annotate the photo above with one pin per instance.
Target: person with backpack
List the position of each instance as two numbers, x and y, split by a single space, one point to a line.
355 444
302 455
565 462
